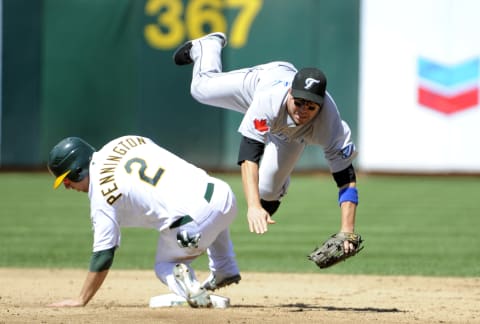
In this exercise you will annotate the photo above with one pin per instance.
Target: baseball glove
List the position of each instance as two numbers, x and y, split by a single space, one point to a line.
332 251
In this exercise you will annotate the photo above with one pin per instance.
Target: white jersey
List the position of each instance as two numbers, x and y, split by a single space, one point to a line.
136 183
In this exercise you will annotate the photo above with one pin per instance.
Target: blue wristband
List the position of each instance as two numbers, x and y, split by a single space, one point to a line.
348 194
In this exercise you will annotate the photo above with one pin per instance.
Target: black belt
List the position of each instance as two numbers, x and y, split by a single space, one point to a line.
187 218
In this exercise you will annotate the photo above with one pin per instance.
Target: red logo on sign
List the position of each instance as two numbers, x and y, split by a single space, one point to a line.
261 125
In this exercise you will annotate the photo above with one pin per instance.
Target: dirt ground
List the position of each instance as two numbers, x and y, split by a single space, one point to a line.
259 298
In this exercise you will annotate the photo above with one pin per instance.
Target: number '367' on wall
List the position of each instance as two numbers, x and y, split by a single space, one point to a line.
176 22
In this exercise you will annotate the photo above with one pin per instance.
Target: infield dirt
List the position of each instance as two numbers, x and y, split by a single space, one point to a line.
259 298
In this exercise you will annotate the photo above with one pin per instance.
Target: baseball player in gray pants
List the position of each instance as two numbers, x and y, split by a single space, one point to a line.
284 110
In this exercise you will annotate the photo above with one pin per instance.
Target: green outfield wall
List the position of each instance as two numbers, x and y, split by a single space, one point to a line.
101 69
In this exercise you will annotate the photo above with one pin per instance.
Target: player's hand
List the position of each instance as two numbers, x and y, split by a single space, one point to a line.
348 247
258 220
67 303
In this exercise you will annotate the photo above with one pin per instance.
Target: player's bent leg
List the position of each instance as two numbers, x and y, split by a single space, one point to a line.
211 86
229 90
222 263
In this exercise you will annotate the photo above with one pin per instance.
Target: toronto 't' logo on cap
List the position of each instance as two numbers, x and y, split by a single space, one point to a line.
310 82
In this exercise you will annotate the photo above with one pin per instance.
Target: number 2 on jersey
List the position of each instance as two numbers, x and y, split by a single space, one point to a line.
141 172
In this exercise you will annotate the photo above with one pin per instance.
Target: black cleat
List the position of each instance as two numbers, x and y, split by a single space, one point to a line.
212 284
181 56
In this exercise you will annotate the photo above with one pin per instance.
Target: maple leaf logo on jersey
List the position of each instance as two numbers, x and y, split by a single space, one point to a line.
261 125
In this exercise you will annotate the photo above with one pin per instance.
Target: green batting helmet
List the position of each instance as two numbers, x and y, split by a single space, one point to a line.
70 158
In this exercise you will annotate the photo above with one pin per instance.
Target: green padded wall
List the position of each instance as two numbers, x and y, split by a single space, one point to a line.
101 69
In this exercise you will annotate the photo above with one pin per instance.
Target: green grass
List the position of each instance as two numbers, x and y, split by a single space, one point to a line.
411 226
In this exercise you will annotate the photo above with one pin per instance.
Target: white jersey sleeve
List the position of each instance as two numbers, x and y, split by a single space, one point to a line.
106 231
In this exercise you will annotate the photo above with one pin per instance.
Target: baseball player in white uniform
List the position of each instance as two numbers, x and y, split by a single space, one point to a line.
284 110
133 182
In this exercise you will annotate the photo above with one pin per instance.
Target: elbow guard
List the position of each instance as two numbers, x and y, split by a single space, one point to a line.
102 260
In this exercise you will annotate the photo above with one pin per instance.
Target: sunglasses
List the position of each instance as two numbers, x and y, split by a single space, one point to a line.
299 102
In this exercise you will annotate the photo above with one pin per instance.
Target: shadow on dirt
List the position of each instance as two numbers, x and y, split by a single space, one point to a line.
300 307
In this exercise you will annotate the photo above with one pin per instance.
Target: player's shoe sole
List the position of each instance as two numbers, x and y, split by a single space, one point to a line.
181 56
212 284
196 296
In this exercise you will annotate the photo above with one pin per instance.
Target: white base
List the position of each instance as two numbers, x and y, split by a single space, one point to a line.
167 300
172 300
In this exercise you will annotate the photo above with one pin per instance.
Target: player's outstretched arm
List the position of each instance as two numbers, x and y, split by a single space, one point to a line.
348 212
258 218
93 282
348 201
100 262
